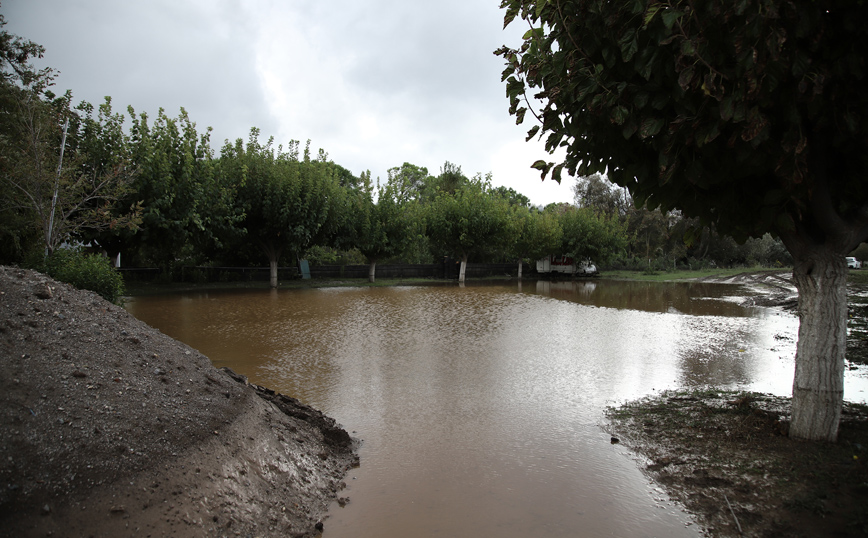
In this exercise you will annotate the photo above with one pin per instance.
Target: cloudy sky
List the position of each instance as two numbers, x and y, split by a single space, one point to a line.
375 83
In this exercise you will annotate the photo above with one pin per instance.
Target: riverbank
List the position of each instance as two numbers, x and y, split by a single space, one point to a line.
726 457
111 428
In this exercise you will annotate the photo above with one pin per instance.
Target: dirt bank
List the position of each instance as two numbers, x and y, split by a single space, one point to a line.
110 428
726 457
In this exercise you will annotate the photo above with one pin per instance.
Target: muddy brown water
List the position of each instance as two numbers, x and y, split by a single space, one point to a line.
480 407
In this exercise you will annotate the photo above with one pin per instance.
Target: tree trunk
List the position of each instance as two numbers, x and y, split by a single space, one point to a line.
818 385
372 271
462 269
519 269
273 254
272 272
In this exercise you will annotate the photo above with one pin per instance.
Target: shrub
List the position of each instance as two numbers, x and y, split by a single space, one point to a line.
85 271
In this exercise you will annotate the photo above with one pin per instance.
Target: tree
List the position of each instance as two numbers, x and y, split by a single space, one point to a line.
512 197
187 208
596 192
450 181
44 170
407 182
384 228
287 201
748 115
538 234
469 221
588 235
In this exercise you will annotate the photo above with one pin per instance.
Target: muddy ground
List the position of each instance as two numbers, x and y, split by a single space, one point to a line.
110 428
726 456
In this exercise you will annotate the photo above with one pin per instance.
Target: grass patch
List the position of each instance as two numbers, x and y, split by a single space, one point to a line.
687 274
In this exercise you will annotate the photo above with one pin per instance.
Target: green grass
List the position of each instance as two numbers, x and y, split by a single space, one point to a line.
858 276
688 274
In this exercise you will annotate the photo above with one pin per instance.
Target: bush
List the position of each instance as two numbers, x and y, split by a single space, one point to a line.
84 271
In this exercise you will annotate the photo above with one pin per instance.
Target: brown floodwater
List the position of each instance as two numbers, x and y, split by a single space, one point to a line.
480 407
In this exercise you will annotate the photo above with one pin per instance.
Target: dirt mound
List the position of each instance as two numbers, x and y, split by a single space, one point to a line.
110 428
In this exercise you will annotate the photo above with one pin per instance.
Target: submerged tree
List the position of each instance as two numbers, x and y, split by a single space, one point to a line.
749 115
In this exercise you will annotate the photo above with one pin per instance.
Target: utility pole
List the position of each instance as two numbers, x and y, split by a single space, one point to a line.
56 188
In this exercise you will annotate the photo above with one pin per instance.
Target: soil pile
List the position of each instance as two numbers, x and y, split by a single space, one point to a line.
110 428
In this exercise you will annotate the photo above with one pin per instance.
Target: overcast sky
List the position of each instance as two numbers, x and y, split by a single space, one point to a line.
375 83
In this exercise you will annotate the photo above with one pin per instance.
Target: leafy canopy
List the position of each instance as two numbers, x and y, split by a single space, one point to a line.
749 114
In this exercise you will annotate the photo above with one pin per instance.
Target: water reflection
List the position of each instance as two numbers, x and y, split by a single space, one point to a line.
480 406
693 298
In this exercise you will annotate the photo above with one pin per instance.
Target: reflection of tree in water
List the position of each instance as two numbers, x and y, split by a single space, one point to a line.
723 351
692 298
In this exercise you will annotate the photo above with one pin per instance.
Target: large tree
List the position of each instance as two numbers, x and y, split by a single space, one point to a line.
470 220
750 115
537 234
290 203
589 235
382 228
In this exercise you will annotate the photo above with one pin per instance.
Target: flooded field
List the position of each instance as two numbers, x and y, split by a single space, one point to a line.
480 407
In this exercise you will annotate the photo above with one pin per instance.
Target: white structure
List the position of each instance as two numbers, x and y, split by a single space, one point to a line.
565 265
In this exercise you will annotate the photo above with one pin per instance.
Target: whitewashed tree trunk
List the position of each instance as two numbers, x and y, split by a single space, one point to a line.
273 254
272 270
818 385
372 271
461 271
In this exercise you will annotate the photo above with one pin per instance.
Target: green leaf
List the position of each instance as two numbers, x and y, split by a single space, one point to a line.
511 12
685 77
620 115
542 166
652 11
532 133
650 126
688 48
670 16
629 44
556 172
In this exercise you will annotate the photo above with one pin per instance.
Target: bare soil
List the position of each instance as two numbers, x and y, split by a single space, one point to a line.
110 428
727 458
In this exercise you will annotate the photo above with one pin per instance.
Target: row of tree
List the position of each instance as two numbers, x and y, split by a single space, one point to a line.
155 192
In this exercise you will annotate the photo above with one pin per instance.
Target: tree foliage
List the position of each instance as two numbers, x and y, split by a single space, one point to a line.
385 227
537 234
589 235
469 220
290 202
49 181
748 115
749 106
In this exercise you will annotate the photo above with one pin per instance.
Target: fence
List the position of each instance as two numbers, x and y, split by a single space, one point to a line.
448 270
